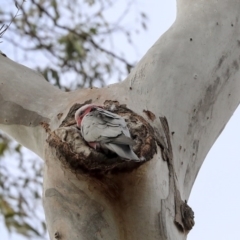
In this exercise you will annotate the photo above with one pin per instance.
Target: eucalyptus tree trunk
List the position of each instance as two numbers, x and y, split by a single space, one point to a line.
176 102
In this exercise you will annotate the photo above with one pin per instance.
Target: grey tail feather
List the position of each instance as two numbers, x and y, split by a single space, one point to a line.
121 140
123 151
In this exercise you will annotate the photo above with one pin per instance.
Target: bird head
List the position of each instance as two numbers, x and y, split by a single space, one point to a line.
82 111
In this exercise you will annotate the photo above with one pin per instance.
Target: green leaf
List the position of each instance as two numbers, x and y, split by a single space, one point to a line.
3 148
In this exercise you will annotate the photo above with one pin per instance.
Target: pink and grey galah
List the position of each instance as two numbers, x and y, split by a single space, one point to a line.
102 129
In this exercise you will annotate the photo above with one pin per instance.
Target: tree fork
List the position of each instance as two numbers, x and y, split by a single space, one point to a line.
190 78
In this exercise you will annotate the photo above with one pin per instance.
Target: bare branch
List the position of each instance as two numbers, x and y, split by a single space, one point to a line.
4 27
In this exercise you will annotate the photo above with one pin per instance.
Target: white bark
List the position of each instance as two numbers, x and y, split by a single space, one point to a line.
190 76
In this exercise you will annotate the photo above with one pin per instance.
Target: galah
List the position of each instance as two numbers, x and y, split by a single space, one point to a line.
102 129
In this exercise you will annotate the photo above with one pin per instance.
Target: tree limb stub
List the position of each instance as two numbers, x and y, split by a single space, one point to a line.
75 154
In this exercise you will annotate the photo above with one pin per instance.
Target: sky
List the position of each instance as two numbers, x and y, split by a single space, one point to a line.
215 196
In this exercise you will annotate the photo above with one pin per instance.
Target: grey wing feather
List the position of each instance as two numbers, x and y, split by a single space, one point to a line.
124 151
110 130
114 120
121 139
101 125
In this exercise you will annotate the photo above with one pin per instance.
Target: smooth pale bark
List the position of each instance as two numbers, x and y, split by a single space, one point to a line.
190 76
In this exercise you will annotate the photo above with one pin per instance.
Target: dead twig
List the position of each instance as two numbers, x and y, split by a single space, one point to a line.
5 27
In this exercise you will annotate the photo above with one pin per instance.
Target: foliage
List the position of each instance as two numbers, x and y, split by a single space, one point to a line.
20 190
71 42
74 39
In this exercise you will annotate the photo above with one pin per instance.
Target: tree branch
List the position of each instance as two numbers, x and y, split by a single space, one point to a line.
192 77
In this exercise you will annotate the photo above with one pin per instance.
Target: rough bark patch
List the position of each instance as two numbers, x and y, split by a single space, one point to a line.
75 154
184 215
151 116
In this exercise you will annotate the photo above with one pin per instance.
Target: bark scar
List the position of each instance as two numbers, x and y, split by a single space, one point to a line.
184 215
57 235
